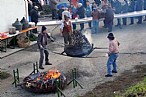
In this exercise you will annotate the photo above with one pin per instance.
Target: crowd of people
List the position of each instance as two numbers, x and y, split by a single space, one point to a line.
97 9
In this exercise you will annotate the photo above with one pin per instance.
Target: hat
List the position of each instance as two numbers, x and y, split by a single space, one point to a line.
36 7
110 36
43 28
79 4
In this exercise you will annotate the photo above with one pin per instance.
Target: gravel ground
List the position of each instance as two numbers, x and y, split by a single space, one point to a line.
90 70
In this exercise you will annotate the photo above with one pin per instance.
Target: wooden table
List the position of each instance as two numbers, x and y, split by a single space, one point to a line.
5 39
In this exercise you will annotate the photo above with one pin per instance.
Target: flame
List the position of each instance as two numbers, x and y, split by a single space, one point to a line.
51 74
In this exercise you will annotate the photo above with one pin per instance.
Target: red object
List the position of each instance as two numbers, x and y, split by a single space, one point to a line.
74 2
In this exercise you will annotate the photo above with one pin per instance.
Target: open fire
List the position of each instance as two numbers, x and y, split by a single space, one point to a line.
43 82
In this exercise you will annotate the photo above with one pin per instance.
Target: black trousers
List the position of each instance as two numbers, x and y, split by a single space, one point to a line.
54 14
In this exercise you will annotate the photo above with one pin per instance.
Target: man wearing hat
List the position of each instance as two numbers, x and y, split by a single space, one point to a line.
113 54
66 30
42 45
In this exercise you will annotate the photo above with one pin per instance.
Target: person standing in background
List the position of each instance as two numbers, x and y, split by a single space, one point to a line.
117 7
88 11
67 13
144 9
139 7
74 14
60 12
34 17
95 21
132 8
109 17
124 10
53 6
30 7
81 14
112 55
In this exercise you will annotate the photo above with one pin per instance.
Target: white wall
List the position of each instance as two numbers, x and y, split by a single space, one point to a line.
9 11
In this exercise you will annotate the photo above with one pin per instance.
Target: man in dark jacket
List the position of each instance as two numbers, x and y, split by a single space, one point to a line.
118 7
34 17
53 6
132 9
125 10
42 45
109 16
145 8
139 7
81 14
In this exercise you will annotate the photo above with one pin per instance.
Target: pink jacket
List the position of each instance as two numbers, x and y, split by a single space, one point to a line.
113 46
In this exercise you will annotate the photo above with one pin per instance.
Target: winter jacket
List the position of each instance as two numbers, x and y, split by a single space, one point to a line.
34 15
81 12
53 4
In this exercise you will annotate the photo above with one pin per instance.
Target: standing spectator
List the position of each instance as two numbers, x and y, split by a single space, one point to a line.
60 12
34 17
112 54
81 14
132 8
95 20
88 11
74 14
53 6
117 7
42 45
30 7
144 9
67 13
109 16
94 6
139 7
66 30
124 10
98 2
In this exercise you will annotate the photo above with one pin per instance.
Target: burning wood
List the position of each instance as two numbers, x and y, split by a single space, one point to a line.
45 81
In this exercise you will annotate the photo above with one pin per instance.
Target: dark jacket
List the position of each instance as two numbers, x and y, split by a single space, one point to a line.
34 15
125 7
109 15
98 2
53 4
81 12
139 5
131 6
144 4
42 42
118 7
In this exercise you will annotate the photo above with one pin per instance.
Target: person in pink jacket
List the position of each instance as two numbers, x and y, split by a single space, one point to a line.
112 54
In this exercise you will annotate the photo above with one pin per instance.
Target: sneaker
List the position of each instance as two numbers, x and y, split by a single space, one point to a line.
108 75
48 63
114 71
41 67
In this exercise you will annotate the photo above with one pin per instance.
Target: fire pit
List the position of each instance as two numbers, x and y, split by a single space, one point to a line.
44 82
80 45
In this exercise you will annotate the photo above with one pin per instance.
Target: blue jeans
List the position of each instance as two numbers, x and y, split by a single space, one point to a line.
112 61
81 26
95 24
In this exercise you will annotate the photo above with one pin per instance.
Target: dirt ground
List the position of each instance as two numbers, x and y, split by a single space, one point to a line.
127 79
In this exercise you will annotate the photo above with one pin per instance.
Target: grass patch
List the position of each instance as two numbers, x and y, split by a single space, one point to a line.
4 75
138 90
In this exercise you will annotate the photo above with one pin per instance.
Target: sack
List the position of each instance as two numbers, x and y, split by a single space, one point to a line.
23 42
